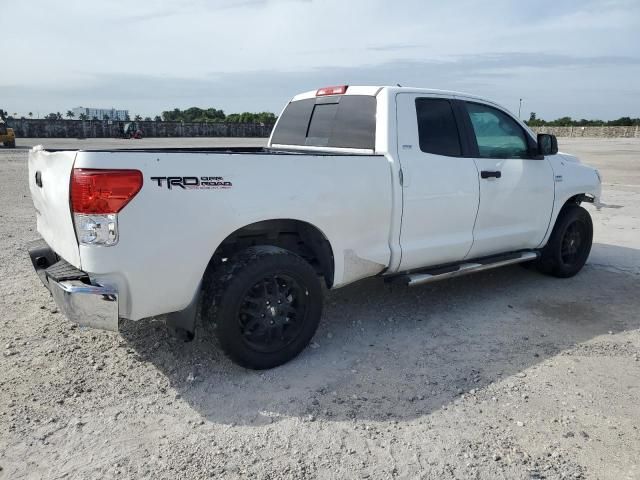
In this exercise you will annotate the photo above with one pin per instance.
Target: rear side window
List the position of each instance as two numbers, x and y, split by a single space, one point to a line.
346 121
437 127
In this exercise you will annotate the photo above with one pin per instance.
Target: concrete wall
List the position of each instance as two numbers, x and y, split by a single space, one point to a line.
602 132
102 129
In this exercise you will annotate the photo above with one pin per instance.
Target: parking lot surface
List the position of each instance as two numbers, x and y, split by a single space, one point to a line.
503 374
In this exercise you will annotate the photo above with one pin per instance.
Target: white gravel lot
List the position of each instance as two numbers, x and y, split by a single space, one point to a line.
505 374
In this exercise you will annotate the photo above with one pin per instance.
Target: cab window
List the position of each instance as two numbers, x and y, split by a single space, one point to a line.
497 134
344 121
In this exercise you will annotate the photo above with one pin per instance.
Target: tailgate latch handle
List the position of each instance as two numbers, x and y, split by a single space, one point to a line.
39 178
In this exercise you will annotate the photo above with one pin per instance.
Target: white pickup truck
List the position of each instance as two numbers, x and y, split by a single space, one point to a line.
410 184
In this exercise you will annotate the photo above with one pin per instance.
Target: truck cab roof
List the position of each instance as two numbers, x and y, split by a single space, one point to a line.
352 118
374 90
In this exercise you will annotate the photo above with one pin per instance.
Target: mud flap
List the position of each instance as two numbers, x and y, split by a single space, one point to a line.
182 324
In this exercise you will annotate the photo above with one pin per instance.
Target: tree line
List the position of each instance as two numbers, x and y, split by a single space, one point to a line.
201 115
534 121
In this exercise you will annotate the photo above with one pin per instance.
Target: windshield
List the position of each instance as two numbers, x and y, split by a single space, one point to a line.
341 121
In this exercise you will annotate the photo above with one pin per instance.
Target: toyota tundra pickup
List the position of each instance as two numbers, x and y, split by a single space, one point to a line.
409 184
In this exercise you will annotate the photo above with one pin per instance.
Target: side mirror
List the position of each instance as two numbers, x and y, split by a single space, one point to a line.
547 144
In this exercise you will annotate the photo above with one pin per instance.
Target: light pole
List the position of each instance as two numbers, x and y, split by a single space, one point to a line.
519 109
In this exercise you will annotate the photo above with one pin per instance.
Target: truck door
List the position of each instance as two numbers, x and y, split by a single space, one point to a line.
440 185
516 190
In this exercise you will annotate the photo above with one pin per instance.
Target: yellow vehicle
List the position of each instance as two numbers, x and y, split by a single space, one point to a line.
7 136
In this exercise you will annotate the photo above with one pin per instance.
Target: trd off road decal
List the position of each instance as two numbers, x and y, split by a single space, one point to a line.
192 183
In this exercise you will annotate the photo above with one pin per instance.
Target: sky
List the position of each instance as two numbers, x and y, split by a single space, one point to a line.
579 58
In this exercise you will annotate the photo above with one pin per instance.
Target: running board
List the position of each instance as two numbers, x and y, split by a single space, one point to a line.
418 278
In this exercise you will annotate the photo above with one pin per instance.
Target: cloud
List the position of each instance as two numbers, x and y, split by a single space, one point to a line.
505 77
254 54
381 48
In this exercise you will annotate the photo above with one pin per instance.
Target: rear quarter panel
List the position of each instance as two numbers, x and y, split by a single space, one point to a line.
167 236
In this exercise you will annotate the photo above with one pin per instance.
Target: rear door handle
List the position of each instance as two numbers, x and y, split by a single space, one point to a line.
489 174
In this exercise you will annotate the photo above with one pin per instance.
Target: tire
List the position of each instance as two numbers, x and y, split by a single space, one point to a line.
569 245
10 144
266 306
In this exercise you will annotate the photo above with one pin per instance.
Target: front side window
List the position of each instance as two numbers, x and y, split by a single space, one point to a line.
497 134
437 128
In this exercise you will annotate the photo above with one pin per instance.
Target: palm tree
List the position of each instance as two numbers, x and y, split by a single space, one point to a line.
30 114
83 116
138 118
70 114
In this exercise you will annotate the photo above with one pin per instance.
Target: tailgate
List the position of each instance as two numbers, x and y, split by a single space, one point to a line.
49 176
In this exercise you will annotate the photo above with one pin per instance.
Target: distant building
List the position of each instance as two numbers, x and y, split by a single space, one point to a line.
99 113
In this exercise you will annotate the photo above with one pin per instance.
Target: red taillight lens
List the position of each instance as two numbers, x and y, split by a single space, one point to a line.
103 191
337 90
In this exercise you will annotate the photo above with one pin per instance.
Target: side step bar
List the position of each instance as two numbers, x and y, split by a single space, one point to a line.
418 278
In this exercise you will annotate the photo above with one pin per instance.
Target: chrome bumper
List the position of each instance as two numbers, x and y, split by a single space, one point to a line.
94 306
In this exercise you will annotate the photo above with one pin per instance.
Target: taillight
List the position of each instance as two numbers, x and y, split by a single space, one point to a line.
103 191
96 198
337 90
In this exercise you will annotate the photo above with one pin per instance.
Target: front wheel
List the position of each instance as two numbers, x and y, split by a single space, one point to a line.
266 306
569 245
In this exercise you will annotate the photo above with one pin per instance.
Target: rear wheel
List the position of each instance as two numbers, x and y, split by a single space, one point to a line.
266 306
569 245
10 144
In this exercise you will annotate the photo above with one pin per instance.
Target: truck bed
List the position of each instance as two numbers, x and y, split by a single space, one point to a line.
169 232
214 150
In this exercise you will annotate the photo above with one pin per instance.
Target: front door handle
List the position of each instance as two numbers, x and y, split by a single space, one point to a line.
489 174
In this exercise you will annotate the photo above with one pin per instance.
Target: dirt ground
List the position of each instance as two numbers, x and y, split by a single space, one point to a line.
504 374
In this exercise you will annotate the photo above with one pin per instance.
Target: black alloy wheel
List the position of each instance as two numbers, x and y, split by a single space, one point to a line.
272 313
573 243
265 303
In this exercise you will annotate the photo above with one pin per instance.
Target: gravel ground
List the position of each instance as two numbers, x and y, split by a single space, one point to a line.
505 374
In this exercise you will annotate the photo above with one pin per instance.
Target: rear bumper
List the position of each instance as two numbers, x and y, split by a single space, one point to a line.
86 304
94 306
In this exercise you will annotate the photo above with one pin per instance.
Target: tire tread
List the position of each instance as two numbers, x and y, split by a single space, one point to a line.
222 278
548 263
